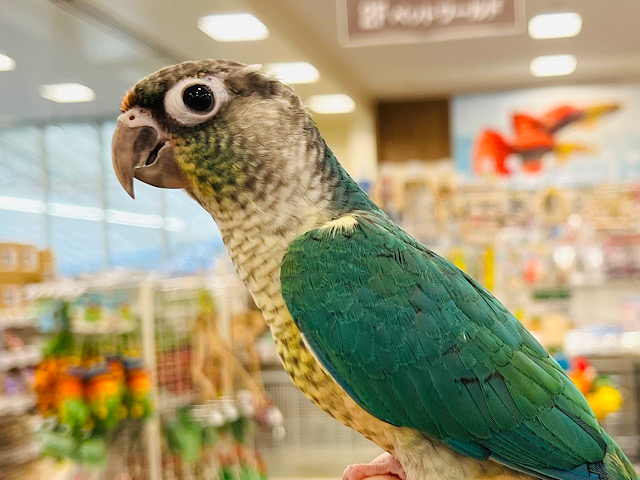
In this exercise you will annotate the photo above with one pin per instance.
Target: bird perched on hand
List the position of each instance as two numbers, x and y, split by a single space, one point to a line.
373 327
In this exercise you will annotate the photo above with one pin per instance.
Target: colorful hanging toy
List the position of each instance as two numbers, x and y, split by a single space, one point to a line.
86 388
599 391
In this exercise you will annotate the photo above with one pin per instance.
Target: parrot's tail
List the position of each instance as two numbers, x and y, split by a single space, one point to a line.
614 466
616 462
491 151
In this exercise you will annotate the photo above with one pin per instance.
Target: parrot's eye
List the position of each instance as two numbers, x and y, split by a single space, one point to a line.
194 100
198 98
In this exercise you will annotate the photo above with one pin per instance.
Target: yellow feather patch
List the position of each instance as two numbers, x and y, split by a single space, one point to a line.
345 223
127 101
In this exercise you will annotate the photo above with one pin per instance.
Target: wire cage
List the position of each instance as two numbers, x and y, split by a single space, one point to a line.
177 305
166 329
161 316
315 445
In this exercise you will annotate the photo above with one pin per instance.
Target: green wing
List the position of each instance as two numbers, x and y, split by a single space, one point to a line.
417 343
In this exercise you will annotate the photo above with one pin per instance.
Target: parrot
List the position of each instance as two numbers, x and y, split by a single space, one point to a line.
372 326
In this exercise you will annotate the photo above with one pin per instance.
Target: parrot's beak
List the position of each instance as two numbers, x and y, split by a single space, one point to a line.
141 149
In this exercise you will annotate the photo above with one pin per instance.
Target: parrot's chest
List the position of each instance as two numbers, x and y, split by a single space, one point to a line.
257 259
422 458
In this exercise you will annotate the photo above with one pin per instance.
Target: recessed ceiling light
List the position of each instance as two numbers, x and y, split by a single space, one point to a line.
293 72
6 63
336 103
233 27
67 93
552 65
555 25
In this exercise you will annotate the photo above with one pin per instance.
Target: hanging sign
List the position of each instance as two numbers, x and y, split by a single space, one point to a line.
376 22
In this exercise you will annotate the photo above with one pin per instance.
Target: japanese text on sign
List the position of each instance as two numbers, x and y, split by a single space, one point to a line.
389 21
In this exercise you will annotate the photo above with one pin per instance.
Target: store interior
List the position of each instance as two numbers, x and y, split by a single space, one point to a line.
502 134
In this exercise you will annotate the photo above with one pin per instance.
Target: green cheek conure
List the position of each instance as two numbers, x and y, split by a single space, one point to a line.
373 327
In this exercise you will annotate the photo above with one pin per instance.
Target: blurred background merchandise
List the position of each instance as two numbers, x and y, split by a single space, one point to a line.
504 139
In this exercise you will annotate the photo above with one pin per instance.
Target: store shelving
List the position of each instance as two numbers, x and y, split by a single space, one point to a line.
20 454
163 312
25 357
17 401
16 404
19 318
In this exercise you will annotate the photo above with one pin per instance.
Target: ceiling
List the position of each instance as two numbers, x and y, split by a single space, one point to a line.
109 44
608 49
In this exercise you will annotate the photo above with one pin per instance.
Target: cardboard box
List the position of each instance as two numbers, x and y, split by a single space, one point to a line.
11 296
47 270
16 257
9 257
21 264
29 259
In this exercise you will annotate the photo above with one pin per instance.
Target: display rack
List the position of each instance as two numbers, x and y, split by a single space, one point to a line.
20 451
16 423
16 318
28 355
164 311
176 306
16 404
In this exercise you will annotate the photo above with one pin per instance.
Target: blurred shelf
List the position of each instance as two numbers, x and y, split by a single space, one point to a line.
20 454
65 289
602 342
16 404
170 402
28 356
18 318
106 326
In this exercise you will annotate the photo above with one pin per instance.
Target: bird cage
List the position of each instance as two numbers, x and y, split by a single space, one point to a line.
161 321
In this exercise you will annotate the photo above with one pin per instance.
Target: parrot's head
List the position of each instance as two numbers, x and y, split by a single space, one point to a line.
222 130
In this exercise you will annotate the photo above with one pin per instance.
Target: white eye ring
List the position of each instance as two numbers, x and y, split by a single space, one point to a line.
176 109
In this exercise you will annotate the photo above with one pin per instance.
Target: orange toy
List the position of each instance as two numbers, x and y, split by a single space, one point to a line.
138 398
603 398
104 395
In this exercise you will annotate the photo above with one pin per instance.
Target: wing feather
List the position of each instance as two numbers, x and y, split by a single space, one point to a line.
417 343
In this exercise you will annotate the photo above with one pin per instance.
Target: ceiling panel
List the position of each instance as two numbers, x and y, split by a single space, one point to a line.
608 48
109 44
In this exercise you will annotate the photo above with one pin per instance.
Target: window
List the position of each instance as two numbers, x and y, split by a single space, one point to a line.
58 191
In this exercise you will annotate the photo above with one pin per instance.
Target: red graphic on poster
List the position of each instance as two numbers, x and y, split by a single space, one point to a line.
534 138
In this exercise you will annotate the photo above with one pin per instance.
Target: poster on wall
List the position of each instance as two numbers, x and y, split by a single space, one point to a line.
579 134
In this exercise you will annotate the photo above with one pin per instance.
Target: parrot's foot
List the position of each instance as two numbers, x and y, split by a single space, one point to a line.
385 467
